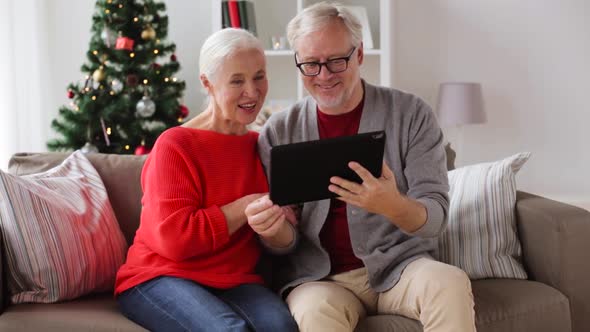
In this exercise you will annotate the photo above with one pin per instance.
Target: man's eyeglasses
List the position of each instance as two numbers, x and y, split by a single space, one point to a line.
313 68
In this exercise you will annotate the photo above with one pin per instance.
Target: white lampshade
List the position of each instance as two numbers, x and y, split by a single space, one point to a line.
459 104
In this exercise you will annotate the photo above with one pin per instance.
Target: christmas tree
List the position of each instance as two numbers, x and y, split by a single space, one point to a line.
130 94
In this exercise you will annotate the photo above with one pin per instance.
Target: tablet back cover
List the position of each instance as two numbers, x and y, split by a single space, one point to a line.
300 172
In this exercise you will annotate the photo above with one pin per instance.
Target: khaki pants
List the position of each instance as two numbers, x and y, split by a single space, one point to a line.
436 294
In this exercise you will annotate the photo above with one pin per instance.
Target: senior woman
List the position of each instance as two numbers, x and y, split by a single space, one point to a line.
192 264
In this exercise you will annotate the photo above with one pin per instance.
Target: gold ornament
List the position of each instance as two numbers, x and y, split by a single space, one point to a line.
98 75
148 33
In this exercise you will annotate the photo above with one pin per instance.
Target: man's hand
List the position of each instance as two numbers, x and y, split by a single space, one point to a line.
381 196
376 195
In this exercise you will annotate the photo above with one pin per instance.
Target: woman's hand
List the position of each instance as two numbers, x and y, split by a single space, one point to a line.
271 222
235 211
264 217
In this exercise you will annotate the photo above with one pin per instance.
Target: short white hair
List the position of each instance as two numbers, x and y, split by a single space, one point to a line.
316 17
222 44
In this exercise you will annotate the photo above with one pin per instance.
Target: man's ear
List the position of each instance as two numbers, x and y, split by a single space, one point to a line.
361 53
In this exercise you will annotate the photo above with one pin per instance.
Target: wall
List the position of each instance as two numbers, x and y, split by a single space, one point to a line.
533 60
532 57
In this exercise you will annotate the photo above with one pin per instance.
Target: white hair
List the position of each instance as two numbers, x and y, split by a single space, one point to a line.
222 44
316 17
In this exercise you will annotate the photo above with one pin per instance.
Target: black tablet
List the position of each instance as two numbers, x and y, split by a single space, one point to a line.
301 172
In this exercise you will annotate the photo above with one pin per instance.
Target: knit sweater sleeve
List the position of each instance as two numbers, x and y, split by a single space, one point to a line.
426 170
177 225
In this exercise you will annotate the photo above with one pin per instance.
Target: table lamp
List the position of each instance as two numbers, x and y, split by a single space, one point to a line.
460 104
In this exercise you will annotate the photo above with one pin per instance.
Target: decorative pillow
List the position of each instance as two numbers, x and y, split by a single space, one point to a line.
481 237
60 235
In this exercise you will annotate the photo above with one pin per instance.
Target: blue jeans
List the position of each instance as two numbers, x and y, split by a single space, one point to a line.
175 304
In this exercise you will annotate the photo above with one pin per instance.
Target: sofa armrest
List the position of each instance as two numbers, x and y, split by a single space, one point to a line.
555 239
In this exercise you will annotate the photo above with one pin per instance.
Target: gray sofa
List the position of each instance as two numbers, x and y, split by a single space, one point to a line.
555 239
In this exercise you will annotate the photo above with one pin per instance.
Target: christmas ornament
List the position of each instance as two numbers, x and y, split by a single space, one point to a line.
173 58
116 86
145 107
156 66
132 80
108 36
148 33
99 74
70 94
183 111
89 148
124 43
141 150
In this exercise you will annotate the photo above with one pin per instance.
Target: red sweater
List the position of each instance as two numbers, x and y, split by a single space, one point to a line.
335 235
187 177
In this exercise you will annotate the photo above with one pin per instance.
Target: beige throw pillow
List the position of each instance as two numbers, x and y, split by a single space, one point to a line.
481 237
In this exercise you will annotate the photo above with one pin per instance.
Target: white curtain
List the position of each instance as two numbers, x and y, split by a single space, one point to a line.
24 65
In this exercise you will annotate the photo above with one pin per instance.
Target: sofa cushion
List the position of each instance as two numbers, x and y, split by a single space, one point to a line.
91 313
120 174
500 305
481 237
61 239
519 305
388 323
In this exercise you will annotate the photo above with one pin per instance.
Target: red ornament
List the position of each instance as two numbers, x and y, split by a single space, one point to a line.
124 43
141 150
183 111
132 80
70 94
173 57
156 66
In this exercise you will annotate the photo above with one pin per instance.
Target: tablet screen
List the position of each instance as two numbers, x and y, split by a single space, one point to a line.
301 172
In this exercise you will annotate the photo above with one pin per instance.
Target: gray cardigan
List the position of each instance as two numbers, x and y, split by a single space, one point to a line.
414 151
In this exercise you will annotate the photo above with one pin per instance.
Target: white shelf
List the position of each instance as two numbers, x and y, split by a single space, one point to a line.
272 17
278 53
372 52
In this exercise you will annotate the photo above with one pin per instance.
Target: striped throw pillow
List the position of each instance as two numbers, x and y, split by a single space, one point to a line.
60 236
481 236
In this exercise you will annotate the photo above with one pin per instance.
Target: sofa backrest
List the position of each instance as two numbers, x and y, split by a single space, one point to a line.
120 174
